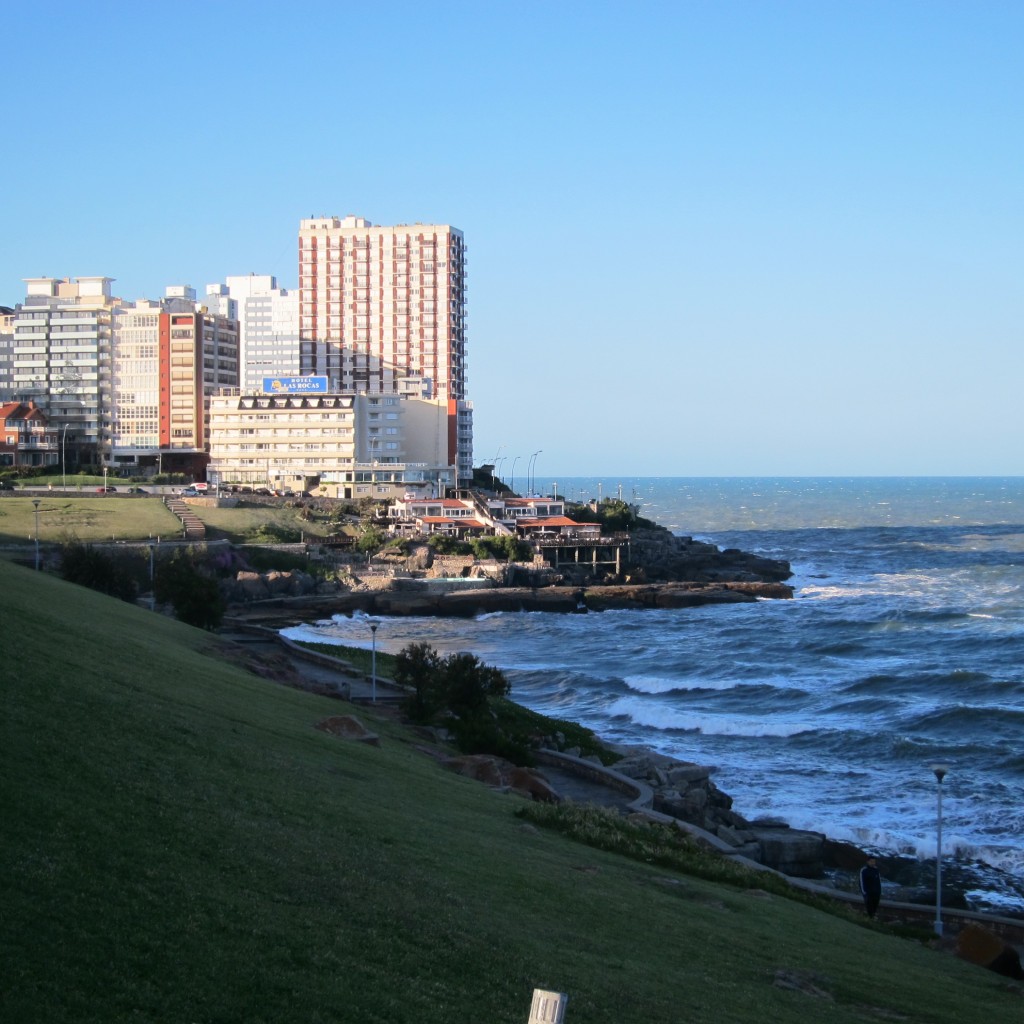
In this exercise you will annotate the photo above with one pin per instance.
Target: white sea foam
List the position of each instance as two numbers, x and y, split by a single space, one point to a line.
311 634
667 684
663 718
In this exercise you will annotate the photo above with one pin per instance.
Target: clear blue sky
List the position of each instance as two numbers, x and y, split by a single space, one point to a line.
705 238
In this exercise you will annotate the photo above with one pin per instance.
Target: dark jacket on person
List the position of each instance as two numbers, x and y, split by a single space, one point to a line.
870 881
870 887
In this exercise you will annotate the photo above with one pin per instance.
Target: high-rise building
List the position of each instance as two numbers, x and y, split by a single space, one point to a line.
169 357
382 310
268 324
61 359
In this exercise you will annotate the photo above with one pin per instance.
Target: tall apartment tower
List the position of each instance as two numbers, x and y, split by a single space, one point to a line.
382 310
61 359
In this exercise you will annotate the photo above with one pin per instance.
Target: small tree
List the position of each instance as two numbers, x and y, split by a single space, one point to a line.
419 666
468 682
371 538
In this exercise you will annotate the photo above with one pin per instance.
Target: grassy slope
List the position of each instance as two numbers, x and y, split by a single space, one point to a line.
181 844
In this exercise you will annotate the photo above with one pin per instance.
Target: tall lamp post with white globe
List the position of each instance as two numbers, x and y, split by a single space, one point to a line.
940 771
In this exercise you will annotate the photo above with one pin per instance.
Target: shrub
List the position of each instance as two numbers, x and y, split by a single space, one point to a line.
445 545
89 567
277 533
194 594
509 548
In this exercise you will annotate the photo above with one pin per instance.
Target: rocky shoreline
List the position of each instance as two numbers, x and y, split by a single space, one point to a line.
685 790
287 594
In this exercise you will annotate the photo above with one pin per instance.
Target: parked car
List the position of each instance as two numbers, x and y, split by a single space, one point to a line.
190 492
265 491
106 490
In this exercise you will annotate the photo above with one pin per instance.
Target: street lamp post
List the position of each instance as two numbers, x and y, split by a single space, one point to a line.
152 585
64 458
35 501
104 479
494 466
530 477
373 661
512 475
940 771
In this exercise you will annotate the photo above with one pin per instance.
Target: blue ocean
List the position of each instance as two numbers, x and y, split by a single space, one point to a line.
903 647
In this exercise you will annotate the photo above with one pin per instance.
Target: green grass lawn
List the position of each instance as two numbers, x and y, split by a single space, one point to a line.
104 517
88 519
180 843
242 523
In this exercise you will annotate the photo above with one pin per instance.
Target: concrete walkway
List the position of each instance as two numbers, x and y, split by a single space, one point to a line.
332 673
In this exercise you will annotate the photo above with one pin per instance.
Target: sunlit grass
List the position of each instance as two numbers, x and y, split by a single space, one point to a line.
91 519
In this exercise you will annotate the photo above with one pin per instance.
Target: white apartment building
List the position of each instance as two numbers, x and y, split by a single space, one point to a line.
136 369
382 310
61 358
349 445
268 322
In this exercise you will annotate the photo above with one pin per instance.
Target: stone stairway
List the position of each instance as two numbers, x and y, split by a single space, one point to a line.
192 524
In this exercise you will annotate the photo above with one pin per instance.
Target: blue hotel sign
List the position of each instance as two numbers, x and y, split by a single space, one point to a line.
295 385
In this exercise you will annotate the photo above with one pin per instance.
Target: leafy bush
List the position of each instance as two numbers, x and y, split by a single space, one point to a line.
445 545
89 567
508 548
194 594
371 538
277 533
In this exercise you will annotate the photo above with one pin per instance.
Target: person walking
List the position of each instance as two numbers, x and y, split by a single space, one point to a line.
871 885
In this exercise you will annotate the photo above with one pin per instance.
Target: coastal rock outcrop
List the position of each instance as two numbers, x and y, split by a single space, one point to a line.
661 555
501 774
685 791
247 586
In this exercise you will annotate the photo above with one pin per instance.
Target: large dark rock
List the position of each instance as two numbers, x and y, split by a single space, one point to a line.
980 946
661 555
791 851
